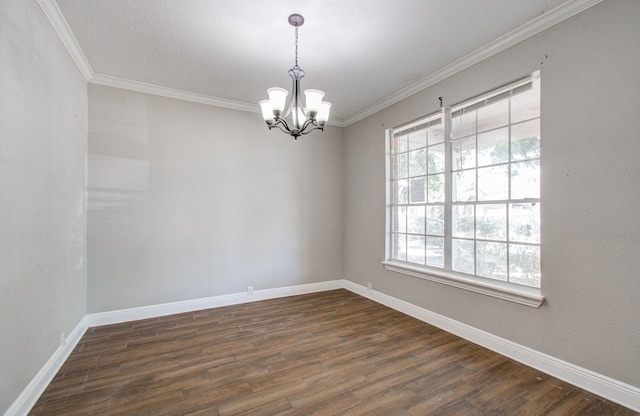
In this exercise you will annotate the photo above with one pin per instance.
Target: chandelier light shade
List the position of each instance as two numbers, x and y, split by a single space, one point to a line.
301 119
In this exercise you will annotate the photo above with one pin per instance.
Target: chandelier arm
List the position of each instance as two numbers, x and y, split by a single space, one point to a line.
282 125
279 127
321 128
308 123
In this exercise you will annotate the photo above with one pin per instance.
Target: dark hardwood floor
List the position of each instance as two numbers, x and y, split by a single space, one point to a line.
328 353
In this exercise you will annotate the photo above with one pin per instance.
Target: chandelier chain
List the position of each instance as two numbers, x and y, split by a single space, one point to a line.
296 45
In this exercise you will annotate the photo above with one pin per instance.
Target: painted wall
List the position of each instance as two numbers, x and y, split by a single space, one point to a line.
187 201
590 194
43 130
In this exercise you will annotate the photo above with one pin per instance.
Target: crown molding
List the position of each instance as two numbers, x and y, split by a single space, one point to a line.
126 84
533 27
544 21
57 20
137 86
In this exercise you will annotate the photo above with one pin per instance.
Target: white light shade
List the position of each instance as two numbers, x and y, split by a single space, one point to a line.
313 100
278 98
323 113
267 112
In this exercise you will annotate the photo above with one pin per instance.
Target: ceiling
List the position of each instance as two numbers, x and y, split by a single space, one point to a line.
365 55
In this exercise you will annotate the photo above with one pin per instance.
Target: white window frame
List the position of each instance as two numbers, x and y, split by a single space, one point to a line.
526 295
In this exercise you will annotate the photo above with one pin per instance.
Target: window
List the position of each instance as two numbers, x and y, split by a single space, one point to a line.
464 194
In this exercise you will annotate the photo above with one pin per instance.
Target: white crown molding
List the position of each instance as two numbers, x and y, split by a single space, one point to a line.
537 25
614 390
57 20
554 16
126 84
41 380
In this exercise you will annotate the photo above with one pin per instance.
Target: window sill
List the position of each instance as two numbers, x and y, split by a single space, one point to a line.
519 294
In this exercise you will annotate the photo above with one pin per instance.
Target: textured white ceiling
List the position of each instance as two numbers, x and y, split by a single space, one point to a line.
359 52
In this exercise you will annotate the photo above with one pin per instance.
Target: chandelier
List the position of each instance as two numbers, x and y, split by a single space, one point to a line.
303 120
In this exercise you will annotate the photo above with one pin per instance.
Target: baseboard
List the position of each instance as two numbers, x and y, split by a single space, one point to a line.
39 383
152 311
614 390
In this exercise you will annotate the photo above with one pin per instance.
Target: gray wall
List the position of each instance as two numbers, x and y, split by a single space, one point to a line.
590 194
188 201
43 144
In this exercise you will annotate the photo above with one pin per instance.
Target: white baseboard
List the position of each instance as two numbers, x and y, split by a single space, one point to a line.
39 383
614 390
152 311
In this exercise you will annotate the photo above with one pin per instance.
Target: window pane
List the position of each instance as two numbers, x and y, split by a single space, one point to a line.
435 220
525 106
524 265
462 223
415 220
463 126
415 249
464 186
493 116
491 222
400 191
417 139
403 165
436 158
463 153
417 190
399 219
525 180
491 260
400 144
418 162
462 256
435 252
399 247
493 147
435 188
525 140
524 223
435 134
493 183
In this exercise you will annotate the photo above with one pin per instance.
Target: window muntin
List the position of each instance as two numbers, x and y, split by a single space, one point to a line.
465 187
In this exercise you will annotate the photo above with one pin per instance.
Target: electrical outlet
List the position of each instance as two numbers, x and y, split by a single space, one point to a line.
369 287
250 290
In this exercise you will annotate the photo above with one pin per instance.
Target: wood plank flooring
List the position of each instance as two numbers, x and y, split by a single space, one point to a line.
328 353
